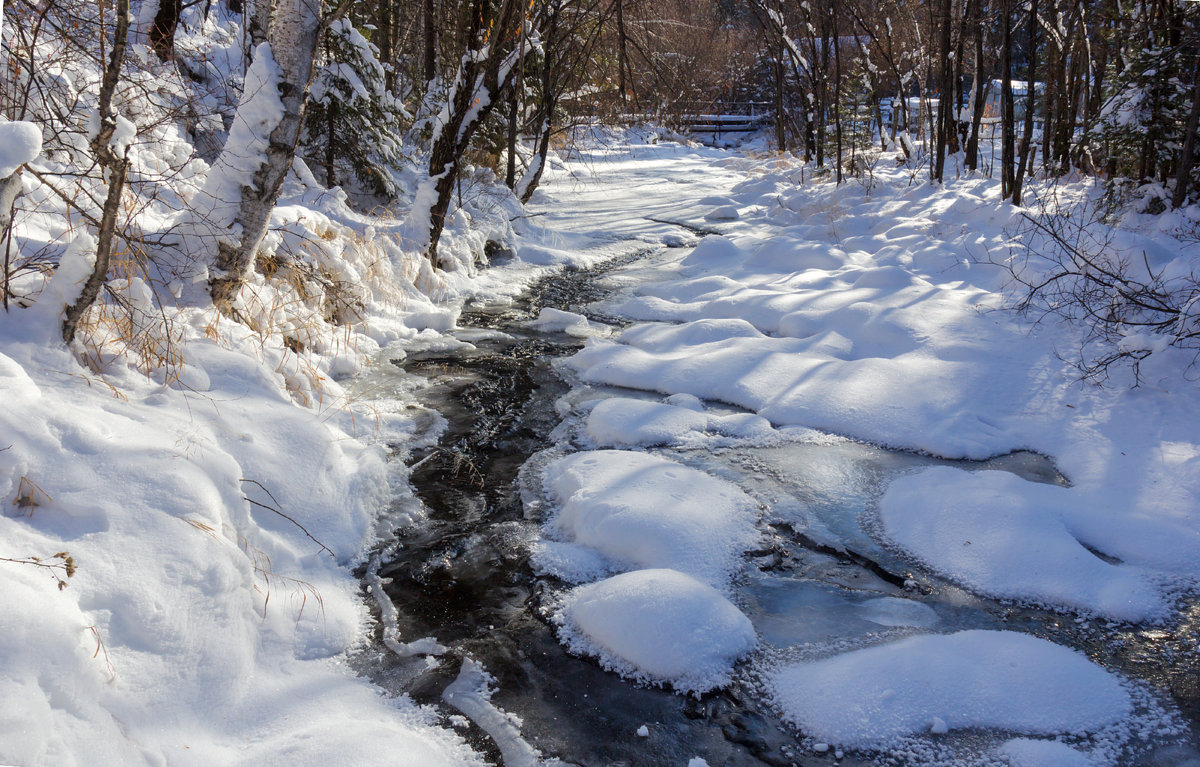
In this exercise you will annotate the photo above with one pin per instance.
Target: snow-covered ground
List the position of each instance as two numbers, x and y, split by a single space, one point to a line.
212 515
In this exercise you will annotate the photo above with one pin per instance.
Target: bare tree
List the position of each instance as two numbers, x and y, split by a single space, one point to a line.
1025 155
110 150
483 71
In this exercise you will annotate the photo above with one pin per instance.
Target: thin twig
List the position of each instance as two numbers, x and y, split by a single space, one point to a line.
282 514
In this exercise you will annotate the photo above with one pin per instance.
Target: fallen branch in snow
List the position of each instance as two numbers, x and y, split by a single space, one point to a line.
276 510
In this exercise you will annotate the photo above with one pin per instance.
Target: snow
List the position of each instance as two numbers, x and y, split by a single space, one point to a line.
215 206
1026 752
202 627
471 694
873 314
557 321
20 142
123 136
1006 537
986 679
658 625
194 619
642 511
619 422
724 213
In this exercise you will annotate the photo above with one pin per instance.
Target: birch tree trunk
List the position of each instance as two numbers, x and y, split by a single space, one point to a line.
292 37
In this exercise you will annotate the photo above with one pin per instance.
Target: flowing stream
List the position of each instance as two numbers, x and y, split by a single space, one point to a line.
461 575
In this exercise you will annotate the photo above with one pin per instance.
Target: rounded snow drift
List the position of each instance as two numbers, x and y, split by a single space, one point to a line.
658 626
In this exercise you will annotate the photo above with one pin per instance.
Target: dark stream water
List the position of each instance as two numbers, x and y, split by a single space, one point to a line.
462 575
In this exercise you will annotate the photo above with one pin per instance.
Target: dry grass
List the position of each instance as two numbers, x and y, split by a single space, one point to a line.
30 495
100 648
129 323
295 587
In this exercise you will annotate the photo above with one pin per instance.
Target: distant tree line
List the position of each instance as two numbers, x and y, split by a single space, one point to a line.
1104 86
370 90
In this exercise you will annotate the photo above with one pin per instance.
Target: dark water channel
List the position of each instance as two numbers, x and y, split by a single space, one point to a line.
463 576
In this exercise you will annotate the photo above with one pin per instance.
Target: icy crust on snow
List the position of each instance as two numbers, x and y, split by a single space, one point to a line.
1005 537
658 625
932 684
642 511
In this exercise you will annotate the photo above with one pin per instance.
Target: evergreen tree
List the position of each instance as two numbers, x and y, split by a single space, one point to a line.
353 122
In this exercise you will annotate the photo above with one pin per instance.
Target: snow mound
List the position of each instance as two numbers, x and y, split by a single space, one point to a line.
1006 537
988 679
644 511
724 213
658 626
20 142
557 321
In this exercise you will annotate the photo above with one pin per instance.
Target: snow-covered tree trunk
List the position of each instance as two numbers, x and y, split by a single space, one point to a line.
483 72
272 108
1187 156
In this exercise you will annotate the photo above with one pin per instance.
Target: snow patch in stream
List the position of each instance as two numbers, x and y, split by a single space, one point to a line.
551 320
620 422
658 626
986 679
1026 752
471 694
1005 537
642 511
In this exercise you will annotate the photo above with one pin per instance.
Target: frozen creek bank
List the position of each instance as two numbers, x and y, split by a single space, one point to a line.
658 514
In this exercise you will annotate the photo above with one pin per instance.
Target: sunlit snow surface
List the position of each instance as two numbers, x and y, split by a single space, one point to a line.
804 311
818 314
935 683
